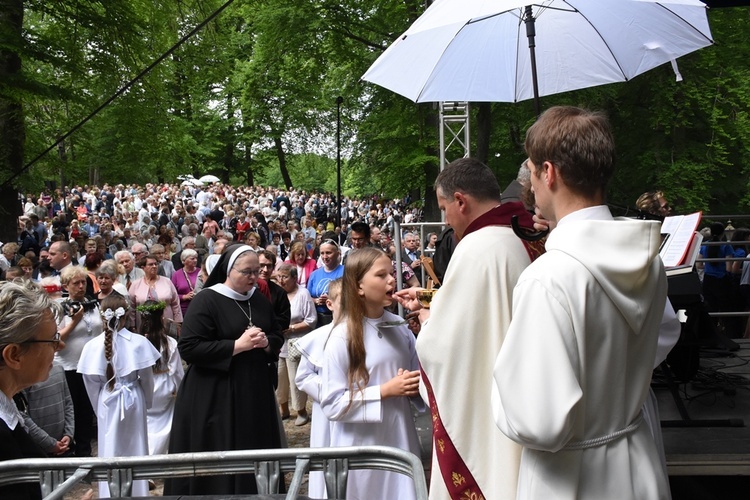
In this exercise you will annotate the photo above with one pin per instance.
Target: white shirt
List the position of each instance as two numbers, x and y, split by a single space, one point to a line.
9 412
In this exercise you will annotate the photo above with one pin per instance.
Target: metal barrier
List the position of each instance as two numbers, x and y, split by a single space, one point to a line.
59 476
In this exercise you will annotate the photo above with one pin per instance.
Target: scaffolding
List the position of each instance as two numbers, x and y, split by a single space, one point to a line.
454 132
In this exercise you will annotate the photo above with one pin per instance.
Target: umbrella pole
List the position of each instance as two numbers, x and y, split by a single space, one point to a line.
531 34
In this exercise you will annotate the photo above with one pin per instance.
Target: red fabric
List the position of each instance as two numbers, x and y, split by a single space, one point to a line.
501 216
242 228
456 475
264 288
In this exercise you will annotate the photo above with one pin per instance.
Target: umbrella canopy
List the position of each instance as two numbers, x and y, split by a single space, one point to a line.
478 50
209 179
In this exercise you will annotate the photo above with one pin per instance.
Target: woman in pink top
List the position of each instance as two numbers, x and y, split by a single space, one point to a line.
158 288
305 265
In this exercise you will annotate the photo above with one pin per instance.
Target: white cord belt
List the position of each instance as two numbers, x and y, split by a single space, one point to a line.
599 441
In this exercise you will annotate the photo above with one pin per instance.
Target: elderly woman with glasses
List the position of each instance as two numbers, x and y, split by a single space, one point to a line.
28 342
226 400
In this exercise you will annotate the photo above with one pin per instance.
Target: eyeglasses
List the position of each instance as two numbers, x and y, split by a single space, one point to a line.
266 266
248 272
330 242
55 341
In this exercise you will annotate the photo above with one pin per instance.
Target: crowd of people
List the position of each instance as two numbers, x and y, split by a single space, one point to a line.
534 360
128 262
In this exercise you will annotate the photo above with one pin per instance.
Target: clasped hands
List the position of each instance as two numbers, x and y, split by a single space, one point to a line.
252 338
405 383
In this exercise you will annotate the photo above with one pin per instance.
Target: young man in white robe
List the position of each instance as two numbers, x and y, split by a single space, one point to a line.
574 370
463 330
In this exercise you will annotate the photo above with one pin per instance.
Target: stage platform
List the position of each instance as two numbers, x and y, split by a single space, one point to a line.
708 455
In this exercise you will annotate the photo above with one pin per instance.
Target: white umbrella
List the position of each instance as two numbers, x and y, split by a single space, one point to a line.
479 50
209 179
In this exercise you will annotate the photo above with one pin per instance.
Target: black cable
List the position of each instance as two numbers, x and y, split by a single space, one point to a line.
121 91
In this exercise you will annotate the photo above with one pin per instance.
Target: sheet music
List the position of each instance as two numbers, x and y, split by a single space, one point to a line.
681 229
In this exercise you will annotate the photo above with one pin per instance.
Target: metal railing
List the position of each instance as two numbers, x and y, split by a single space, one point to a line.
58 476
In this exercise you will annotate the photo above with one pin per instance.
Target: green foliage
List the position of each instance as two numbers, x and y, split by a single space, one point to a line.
260 82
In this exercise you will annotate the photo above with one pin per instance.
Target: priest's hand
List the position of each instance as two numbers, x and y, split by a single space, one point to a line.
408 298
406 383
540 223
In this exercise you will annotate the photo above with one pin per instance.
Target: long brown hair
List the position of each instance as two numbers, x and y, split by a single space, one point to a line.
111 302
353 309
152 327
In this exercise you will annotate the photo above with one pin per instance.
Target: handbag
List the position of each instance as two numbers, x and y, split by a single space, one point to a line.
293 352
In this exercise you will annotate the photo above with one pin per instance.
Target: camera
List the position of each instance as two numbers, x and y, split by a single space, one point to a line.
71 307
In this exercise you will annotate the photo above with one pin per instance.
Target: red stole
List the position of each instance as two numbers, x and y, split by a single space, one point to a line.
501 216
456 475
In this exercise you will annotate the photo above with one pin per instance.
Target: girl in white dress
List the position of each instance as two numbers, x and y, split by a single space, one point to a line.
116 368
308 379
370 370
168 373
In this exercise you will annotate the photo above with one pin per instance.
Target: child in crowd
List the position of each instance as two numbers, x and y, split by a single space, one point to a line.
308 379
168 373
370 370
116 368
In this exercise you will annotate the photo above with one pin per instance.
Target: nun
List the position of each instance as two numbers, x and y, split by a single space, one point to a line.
226 400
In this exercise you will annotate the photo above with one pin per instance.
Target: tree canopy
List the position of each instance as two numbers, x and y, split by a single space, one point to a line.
251 98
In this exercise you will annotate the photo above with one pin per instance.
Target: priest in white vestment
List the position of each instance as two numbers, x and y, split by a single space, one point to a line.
458 343
574 370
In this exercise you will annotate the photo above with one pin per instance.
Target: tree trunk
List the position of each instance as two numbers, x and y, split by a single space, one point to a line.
12 130
229 141
484 131
431 169
282 162
249 166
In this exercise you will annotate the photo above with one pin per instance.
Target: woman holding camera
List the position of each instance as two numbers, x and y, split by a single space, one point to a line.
80 324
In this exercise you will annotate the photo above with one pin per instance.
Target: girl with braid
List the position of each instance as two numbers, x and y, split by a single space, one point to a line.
117 371
168 373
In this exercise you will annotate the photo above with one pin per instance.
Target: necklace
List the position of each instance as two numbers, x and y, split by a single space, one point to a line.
88 322
247 314
375 324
